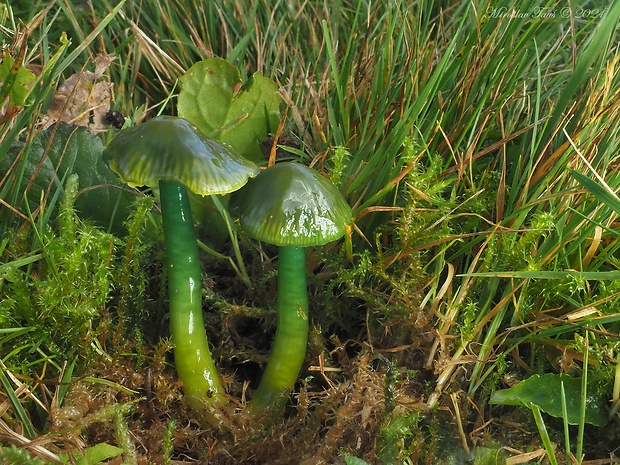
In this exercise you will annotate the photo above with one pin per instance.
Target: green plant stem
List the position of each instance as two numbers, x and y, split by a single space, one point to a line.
192 356
232 233
289 347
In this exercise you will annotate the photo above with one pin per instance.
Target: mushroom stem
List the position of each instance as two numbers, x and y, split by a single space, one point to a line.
193 360
289 347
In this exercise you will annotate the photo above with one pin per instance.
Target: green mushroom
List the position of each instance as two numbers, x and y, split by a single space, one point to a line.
292 207
173 154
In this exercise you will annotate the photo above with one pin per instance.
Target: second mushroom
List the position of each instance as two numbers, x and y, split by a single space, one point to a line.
292 207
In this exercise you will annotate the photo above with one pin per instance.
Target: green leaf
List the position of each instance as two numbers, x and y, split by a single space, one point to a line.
72 150
15 81
352 460
544 393
98 453
207 93
213 98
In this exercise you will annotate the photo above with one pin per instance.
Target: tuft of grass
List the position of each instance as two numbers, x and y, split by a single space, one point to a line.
542 221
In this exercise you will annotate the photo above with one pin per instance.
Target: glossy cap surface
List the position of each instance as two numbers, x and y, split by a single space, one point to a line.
171 149
289 204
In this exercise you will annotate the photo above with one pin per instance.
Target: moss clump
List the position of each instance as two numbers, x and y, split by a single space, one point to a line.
58 299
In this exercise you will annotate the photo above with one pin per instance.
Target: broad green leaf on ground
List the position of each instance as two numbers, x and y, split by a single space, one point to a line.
214 98
545 392
73 150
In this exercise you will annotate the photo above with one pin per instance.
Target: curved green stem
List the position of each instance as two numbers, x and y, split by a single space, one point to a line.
193 360
232 233
289 347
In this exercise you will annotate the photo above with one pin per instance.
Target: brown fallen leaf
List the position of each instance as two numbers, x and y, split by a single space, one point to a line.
84 98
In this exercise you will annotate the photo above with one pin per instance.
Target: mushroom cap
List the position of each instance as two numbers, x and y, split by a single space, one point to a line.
289 204
167 148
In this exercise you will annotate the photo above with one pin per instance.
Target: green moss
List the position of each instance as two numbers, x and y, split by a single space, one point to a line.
396 438
14 456
62 296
